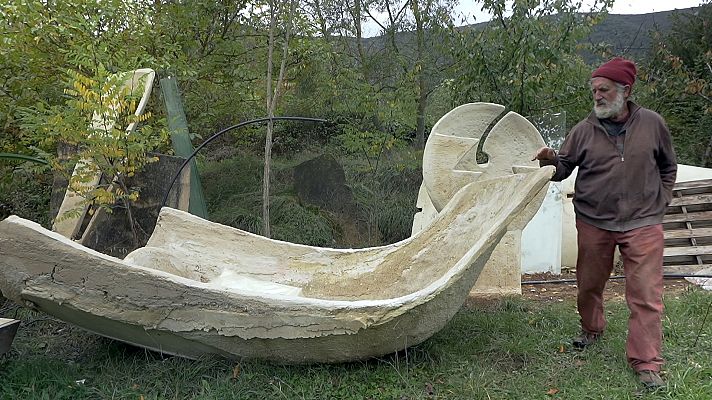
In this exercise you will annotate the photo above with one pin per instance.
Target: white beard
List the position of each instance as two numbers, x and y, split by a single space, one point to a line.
610 109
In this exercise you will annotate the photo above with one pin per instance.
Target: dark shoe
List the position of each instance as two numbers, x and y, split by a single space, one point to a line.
650 379
585 339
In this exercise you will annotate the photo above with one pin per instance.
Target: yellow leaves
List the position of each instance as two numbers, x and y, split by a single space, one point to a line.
78 87
103 196
107 86
236 372
696 86
96 117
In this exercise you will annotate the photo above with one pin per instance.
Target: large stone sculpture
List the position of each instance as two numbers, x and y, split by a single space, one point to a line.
450 161
450 156
203 288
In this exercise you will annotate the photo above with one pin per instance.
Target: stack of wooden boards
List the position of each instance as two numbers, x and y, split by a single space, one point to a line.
688 228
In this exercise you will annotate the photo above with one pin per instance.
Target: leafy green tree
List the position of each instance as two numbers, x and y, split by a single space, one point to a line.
678 83
41 40
527 58
429 19
377 87
99 119
272 96
415 31
336 77
217 52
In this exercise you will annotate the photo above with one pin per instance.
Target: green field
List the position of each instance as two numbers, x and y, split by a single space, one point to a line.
500 349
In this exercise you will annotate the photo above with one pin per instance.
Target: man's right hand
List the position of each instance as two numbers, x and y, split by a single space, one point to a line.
546 156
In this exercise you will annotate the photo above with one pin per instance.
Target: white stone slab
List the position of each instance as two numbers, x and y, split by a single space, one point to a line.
182 293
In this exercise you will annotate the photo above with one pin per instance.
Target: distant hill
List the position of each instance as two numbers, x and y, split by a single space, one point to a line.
628 34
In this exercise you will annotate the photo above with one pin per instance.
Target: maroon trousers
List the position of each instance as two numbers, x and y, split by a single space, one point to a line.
642 253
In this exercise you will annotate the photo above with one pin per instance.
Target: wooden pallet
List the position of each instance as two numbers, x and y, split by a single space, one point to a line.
688 228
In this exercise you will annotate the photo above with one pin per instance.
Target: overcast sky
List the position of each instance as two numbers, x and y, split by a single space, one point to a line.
473 7
471 10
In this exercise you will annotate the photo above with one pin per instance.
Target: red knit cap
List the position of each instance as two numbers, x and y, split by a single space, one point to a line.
618 69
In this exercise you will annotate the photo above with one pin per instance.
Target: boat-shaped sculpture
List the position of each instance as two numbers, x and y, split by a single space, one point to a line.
199 287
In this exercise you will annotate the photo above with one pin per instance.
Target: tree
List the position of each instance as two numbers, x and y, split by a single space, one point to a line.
527 57
41 40
678 79
415 31
99 119
273 96
216 49
354 88
432 21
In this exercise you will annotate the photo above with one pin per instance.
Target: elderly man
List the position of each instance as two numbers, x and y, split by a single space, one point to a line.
626 172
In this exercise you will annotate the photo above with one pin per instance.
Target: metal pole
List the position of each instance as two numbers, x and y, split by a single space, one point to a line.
228 129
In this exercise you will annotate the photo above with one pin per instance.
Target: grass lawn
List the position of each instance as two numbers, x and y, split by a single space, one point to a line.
502 349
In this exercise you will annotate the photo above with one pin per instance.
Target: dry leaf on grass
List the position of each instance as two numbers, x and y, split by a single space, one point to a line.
236 372
429 389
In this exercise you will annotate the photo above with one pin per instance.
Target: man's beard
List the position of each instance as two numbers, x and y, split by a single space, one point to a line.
609 109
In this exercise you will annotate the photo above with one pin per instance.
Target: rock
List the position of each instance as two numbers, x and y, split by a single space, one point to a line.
110 233
321 182
201 288
5 211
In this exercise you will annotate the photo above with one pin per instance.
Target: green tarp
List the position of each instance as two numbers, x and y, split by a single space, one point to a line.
180 137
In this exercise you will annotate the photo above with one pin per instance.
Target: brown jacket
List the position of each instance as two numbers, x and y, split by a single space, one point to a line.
620 191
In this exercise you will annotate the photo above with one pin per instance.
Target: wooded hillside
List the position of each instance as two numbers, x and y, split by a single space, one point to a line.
237 60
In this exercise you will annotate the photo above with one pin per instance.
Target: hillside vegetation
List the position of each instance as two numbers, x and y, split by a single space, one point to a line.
236 61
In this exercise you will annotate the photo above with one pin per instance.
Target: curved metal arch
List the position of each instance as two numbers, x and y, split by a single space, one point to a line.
220 133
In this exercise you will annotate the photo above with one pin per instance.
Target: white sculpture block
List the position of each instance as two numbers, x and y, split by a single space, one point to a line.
450 162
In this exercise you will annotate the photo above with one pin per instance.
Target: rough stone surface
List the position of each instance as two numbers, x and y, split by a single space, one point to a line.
200 287
450 162
321 181
500 279
705 283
